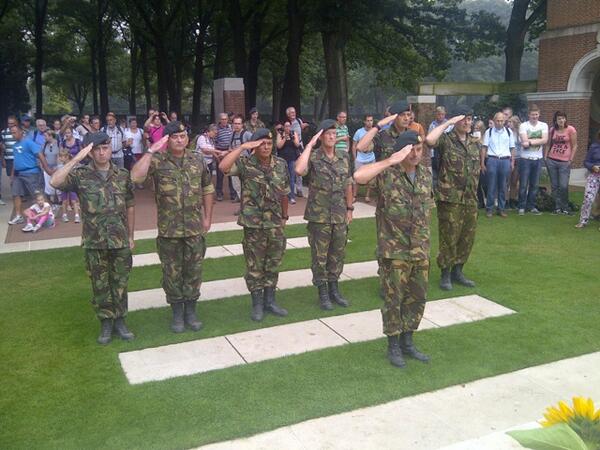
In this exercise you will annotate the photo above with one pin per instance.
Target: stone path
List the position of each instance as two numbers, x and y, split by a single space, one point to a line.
203 355
470 416
219 251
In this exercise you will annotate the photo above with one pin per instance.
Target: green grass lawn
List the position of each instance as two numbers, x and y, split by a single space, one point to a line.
62 390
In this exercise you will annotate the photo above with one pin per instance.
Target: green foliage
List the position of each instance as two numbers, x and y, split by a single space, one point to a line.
556 437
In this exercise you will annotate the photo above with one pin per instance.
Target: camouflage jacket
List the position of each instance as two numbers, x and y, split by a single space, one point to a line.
403 214
179 188
262 189
104 205
383 142
328 179
458 170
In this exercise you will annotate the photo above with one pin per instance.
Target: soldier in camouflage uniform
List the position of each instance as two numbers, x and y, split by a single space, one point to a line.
107 211
404 205
459 160
264 204
328 210
182 187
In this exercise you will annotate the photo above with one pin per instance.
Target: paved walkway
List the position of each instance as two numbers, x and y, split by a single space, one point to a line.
470 416
203 355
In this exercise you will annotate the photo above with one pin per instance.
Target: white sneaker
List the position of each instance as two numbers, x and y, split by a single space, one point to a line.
521 212
36 227
65 218
28 227
2 202
17 219
77 219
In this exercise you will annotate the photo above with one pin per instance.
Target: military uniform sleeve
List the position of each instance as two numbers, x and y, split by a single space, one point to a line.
443 144
349 180
129 197
207 186
377 144
71 183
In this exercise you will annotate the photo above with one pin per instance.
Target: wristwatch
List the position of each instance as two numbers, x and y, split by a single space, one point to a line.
377 126
349 208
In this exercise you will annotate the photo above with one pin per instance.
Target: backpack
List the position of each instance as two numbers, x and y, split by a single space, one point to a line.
505 127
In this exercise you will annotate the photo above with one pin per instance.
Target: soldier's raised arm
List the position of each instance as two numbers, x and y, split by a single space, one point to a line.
301 166
60 176
140 170
437 132
363 144
233 155
369 171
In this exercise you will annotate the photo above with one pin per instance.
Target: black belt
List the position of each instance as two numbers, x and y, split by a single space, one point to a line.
499 157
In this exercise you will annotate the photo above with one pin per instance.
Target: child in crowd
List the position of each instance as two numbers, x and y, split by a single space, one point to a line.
39 214
69 199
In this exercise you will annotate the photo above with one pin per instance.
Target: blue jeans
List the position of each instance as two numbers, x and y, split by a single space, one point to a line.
497 172
559 172
292 173
529 176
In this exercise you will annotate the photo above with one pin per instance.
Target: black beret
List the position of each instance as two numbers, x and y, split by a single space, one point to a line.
253 110
261 133
463 110
96 139
174 127
399 107
409 137
326 125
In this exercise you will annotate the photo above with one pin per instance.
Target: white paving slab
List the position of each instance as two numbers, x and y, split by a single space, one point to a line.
471 416
186 358
360 270
284 340
289 339
298 242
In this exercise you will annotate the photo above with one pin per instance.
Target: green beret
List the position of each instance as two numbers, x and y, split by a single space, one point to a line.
463 110
261 133
327 124
399 107
96 139
174 127
409 137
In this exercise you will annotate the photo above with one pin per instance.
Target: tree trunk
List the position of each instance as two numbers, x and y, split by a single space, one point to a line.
102 72
239 38
93 53
40 7
291 81
199 49
133 58
251 79
515 40
219 65
146 74
335 69
277 95
322 108
162 76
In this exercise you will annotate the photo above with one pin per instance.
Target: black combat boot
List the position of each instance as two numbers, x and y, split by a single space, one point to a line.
324 299
445 282
177 324
408 347
106 326
190 318
334 294
270 304
459 277
395 352
122 330
258 304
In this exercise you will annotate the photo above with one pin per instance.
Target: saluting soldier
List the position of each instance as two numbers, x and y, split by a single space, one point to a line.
183 188
328 210
405 199
459 166
264 212
107 211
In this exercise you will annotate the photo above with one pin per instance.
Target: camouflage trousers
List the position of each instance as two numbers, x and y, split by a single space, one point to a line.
328 248
263 250
108 270
457 224
404 286
181 261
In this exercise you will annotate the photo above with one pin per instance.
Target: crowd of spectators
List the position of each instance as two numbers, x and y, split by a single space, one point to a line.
513 154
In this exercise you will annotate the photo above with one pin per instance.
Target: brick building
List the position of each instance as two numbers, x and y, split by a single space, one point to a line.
569 69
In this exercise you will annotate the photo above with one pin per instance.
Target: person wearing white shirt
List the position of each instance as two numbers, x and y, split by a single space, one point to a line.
205 145
497 161
534 135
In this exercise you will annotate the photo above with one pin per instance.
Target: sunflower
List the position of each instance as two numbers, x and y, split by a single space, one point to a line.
582 409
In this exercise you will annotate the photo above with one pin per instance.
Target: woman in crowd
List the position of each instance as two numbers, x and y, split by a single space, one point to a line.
288 148
591 163
70 143
560 151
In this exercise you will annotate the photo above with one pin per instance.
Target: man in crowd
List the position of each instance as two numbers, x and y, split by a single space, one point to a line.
367 156
297 126
117 139
328 210
205 145
38 133
107 203
95 124
404 217
238 136
534 135
28 130
456 195
440 118
497 161
265 187
222 143
6 151
84 127
26 176
182 187
253 123
342 141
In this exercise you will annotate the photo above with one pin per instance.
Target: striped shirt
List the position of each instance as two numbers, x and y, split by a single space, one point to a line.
223 140
9 141
341 131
